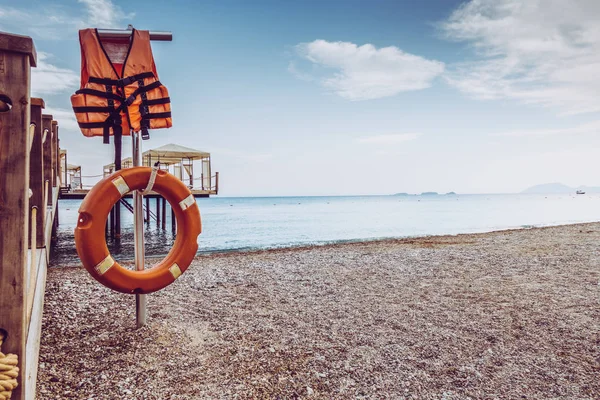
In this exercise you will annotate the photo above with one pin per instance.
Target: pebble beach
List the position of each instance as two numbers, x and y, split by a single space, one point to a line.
508 314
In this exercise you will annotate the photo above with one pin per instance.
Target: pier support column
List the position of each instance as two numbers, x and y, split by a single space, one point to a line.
111 219
36 173
173 221
48 151
117 220
158 211
56 155
164 213
147 209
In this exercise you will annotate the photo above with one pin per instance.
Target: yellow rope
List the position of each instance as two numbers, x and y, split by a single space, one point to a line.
8 372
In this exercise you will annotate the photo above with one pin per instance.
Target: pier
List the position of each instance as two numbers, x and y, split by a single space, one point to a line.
29 189
35 174
175 159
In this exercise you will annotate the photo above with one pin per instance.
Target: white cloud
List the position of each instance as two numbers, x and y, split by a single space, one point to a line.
49 79
240 155
389 139
365 72
292 69
589 127
66 118
104 14
55 22
544 52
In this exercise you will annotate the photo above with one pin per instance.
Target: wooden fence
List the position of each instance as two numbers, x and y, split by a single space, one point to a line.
28 206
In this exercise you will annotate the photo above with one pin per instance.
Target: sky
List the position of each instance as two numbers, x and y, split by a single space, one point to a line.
335 97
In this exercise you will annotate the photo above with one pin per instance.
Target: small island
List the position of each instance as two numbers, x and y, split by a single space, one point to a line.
424 194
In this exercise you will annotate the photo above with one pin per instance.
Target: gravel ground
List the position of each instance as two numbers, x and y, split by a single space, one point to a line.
512 314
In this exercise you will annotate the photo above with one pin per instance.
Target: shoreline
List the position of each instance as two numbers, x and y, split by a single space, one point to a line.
403 239
400 239
491 315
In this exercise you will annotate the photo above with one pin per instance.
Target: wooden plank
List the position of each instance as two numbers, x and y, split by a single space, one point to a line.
14 199
32 263
36 171
48 151
35 326
11 43
51 214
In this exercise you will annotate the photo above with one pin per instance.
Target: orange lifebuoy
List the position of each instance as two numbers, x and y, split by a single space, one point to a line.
93 213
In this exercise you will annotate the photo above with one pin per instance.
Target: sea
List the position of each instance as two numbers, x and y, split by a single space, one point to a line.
251 223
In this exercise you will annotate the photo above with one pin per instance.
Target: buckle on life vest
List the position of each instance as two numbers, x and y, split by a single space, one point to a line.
145 134
127 81
129 101
116 119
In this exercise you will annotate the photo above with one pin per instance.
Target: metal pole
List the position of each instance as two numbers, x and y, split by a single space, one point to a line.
163 36
138 235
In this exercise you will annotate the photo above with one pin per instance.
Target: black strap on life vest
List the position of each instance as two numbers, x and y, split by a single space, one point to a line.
143 108
93 92
156 115
89 109
142 89
111 105
164 100
121 82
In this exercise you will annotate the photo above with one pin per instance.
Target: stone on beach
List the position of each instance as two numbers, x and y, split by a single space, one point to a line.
499 315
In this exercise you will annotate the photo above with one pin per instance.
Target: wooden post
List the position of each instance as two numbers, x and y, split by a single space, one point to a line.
47 149
216 183
117 211
157 211
164 213
112 222
147 209
173 221
55 154
36 172
17 56
55 174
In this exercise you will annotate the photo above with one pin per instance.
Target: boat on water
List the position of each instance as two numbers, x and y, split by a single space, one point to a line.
580 192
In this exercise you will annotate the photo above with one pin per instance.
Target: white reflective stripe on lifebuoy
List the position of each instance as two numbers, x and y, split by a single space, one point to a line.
104 265
121 185
187 202
150 182
175 270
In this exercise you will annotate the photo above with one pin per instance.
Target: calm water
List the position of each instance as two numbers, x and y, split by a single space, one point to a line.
270 222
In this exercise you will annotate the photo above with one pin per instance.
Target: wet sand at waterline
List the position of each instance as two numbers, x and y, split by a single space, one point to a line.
511 314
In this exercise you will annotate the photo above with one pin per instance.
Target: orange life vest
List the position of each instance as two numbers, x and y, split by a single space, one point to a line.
121 95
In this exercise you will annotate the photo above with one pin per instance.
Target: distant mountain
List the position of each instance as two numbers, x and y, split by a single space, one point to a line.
429 194
549 188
